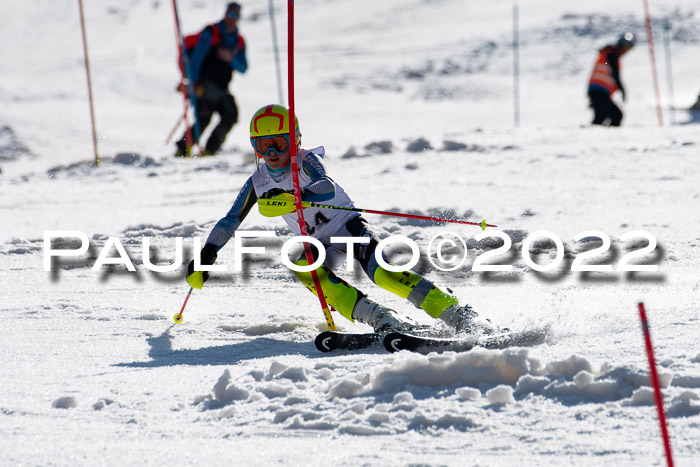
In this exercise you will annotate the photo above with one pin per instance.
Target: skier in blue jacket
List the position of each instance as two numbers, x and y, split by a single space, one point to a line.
269 135
214 53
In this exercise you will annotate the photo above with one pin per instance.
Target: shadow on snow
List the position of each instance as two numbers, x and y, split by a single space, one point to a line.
162 354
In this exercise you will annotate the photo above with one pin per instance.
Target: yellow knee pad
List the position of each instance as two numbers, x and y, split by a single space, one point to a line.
339 294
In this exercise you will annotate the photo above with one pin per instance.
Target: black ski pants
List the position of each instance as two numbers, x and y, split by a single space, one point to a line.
213 100
604 109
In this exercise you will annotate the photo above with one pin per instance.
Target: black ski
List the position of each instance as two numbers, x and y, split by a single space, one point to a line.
397 341
328 341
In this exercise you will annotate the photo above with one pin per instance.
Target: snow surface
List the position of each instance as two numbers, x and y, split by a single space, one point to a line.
93 370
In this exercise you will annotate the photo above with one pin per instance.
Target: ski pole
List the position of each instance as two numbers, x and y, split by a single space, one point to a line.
178 317
177 125
481 224
272 207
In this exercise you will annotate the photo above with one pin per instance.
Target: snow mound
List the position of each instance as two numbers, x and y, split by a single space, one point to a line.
10 146
224 392
685 404
102 403
133 159
683 409
178 229
472 368
108 166
414 392
419 145
501 394
22 247
642 396
686 381
583 379
467 393
421 422
569 367
274 326
65 402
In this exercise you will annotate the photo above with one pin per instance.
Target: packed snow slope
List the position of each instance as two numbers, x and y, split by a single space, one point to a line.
413 101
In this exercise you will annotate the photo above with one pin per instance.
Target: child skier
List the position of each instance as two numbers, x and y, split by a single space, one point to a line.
269 135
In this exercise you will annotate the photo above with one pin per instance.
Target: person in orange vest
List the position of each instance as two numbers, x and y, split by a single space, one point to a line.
605 81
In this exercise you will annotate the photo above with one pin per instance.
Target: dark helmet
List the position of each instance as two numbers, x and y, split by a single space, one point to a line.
626 40
233 10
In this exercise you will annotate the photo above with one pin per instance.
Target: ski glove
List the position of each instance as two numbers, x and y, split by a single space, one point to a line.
275 192
207 257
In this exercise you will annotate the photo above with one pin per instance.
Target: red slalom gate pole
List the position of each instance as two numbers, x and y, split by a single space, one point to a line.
187 87
295 166
183 77
650 41
655 384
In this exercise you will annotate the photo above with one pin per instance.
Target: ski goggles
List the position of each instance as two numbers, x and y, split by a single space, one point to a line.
265 145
